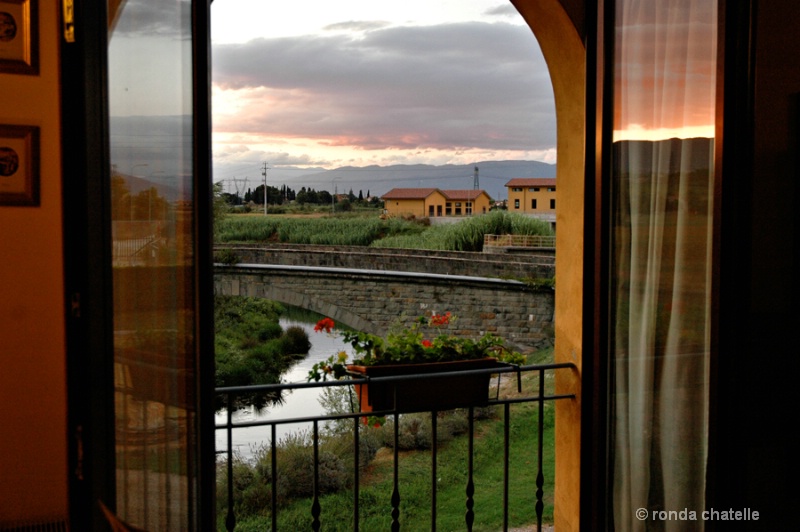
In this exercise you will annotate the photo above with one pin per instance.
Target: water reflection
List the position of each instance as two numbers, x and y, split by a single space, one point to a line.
295 403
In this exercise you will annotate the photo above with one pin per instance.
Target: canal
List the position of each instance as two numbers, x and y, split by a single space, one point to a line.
296 403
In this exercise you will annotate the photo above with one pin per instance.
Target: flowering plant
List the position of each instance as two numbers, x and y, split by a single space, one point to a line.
409 346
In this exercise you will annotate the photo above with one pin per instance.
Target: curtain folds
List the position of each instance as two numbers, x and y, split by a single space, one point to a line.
662 182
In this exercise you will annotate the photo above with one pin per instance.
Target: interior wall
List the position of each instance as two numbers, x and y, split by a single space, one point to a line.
33 413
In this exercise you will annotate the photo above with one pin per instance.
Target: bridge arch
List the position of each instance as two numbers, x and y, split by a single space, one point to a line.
338 313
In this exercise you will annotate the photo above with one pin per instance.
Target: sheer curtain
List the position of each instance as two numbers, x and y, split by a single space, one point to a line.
662 183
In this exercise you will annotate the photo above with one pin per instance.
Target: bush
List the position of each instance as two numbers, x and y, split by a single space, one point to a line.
295 341
416 431
227 256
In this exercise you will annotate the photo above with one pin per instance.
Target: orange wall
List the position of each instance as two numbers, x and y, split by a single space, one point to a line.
564 52
33 455
405 206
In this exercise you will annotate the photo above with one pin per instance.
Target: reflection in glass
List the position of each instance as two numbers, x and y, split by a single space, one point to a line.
662 183
151 209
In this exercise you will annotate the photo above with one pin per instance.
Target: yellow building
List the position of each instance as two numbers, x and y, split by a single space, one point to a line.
434 202
534 195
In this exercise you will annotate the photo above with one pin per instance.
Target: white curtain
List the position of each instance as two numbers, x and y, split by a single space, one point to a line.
662 186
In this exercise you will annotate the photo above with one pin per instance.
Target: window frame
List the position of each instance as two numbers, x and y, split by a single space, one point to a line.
88 273
735 74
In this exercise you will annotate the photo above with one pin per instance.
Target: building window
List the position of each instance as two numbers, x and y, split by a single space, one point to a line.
516 189
553 204
448 208
516 204
551 189
534 189
533 203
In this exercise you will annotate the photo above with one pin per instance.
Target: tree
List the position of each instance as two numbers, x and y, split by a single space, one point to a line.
120 197
219 206
344 206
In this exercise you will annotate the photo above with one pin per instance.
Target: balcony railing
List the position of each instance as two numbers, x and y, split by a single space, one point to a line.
535 390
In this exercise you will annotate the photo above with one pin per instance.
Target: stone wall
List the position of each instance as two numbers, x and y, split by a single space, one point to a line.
373 301
539 265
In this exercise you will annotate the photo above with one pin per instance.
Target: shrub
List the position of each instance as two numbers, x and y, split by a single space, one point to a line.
227 256
416 432
295 340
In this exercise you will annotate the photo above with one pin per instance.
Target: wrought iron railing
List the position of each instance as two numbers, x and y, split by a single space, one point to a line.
539 394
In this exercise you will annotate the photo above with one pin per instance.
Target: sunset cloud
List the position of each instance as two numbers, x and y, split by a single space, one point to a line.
462 86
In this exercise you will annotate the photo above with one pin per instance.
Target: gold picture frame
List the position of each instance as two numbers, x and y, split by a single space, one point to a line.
19 37
19 165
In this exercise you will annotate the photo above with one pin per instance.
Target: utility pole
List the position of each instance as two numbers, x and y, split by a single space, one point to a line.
264 173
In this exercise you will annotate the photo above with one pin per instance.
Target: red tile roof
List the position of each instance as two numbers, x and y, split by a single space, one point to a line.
469 194
532 182
409 193
422 193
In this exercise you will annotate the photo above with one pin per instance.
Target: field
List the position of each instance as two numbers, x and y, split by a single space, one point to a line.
376 231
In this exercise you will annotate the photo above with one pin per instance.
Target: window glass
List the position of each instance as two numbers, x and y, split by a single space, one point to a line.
151 147
661 186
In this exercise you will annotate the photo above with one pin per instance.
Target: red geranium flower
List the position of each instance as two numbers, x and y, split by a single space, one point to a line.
325 324
440 319
427 343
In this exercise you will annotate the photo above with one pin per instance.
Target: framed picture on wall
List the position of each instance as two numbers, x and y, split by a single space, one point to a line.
19 165
19 37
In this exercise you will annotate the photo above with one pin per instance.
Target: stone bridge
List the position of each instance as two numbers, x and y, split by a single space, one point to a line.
373 300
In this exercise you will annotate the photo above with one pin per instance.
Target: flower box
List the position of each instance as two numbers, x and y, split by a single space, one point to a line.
424 394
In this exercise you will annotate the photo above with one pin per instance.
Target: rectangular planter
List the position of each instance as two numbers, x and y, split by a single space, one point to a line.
426 394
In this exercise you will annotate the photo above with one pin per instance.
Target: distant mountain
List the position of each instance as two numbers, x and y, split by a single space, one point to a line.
377 180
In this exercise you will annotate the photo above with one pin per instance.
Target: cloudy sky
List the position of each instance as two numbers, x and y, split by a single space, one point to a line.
357 82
